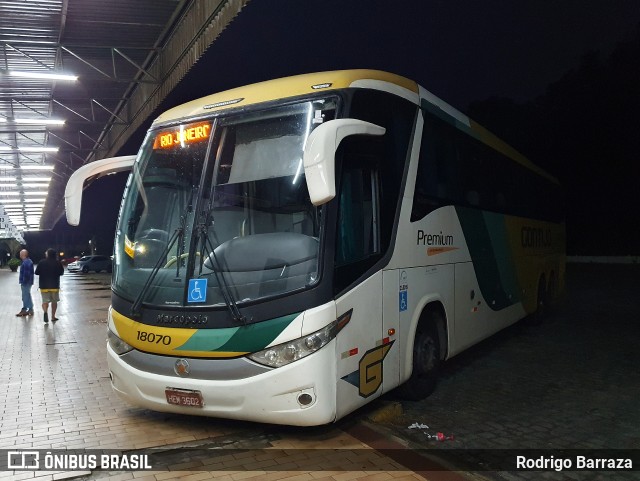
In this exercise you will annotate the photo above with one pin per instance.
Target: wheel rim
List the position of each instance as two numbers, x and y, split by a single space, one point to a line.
426 356
541 300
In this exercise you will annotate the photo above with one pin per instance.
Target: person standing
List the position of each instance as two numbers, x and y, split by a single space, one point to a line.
49 271
26 281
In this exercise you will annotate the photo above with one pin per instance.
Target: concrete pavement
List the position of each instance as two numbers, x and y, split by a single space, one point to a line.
57 395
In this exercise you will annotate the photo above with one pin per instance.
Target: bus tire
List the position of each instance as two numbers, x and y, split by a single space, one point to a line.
552 294
541 303
426 359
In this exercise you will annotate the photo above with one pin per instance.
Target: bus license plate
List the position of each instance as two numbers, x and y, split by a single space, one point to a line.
183 397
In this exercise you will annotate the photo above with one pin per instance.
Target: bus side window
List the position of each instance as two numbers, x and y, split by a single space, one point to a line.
438 161
358 233
370 176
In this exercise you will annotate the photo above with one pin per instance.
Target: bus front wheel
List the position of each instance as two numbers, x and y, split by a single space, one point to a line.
426 360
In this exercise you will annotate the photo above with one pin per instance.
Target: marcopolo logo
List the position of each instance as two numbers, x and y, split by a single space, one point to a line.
182 319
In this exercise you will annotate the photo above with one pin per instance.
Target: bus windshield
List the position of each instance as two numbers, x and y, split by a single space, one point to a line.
219 208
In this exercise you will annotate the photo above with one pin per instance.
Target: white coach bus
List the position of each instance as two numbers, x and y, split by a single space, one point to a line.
288 251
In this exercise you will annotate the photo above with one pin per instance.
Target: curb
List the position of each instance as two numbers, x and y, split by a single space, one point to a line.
386 413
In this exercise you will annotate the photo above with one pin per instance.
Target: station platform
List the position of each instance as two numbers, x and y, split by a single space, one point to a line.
57 396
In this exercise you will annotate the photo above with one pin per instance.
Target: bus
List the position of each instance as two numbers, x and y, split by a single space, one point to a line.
288 251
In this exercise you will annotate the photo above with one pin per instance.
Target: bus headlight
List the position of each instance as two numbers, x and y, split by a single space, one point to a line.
288 352
117 344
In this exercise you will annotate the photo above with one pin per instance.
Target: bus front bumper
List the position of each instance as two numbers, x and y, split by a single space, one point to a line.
302 393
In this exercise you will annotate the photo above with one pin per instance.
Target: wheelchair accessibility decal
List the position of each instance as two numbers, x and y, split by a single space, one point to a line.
403 291
197 290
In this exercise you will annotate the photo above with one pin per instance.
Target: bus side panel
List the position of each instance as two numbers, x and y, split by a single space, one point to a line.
539 250
475 320
500 286
360 353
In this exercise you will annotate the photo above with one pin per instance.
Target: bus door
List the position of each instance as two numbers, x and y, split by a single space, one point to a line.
357 249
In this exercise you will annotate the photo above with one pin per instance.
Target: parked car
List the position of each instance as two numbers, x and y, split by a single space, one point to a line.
69 260
91 263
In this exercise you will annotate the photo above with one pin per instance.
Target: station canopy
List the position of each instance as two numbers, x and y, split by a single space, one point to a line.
78 78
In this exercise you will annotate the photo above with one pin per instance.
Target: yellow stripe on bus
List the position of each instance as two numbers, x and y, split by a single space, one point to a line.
161 340
281 88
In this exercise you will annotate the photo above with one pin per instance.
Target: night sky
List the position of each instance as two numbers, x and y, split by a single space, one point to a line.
462 51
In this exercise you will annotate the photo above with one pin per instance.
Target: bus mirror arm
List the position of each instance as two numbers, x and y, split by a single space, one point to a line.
320 151
97 169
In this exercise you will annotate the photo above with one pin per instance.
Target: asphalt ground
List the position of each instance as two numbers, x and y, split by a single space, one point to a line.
571 383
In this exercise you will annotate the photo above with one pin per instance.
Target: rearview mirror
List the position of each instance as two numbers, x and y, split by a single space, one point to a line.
320 151
97 169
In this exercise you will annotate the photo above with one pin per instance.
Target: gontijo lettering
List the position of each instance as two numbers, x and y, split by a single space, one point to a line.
182 135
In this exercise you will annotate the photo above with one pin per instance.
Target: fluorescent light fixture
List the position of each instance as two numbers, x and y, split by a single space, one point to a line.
33 178
35 185
37 121
36 149
35 167
17 184
43 75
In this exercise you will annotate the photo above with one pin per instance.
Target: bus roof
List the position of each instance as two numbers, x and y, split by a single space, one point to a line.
338 79
282 88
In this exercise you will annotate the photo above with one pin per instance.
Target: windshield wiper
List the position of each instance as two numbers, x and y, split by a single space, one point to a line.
206 246
178 233
183 226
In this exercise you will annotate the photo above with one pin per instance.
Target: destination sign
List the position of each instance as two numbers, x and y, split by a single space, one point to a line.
182 136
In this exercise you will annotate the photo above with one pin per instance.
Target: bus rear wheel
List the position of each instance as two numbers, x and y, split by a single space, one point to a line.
541 304
426 360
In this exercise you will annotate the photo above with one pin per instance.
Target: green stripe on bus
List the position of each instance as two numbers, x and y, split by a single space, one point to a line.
487 240
250 338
